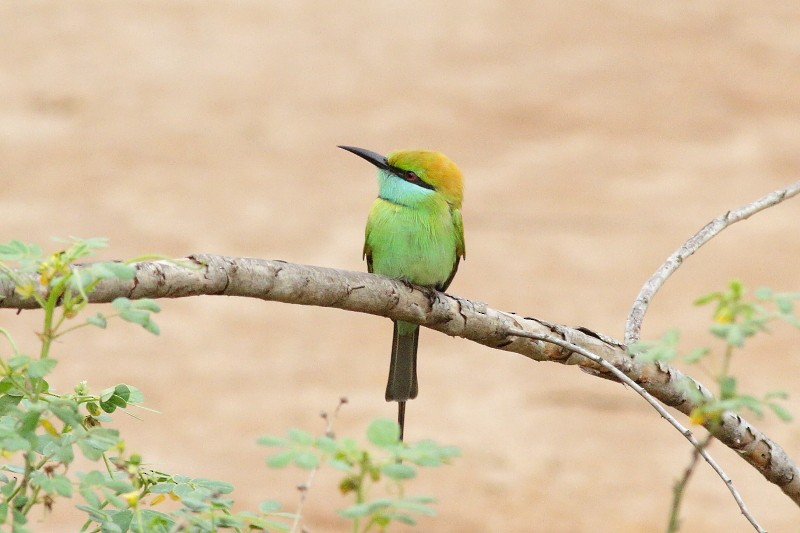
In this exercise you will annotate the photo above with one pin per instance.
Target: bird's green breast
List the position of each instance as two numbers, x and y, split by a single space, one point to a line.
416 243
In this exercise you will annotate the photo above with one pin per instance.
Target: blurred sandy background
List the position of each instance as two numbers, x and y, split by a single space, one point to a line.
594 137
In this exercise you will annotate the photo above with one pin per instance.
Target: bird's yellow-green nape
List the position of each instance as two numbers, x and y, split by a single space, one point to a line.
433 168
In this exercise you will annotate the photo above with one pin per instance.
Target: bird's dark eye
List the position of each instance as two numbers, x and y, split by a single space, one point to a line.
411 177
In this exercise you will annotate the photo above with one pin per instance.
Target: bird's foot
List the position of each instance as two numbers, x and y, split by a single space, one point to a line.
432 294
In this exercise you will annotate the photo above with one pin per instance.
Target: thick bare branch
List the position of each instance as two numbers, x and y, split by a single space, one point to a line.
633 325
458 317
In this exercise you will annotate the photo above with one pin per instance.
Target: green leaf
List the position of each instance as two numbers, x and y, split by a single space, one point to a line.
19 362
67 412
17 250
782 394
135 395
785 305
418 505
383 432
696 355
229 522
92 478
447 452
14 444
707 298
269 506
182 489
40 383
281 459
97 271
121 304
121 519
147 304
8 401
137 312
664 349
60 449
136 316
326 444
214 485
727 387
41 367
735 336
719 330
780 411
360 510
764 293
152 327
96 514
117 270
271 440
299 436
398 471
339 465
5 385
123 391
403 518
737 288
90 497
164 487
195 504
116 396
306 460
98 320
57 484
152 522
29 422
96 441
750 402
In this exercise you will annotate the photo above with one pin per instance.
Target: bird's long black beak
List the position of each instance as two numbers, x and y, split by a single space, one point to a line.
376 159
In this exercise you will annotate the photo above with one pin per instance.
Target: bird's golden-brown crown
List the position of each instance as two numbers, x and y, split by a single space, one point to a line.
434 168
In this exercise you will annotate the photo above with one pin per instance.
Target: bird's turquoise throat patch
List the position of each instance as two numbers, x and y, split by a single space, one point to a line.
398 191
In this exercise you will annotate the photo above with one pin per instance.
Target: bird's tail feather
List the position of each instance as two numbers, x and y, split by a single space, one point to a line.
402 384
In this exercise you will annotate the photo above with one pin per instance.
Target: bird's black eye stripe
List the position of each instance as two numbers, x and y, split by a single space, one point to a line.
411 177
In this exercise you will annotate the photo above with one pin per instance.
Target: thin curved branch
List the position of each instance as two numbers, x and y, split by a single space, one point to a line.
633 325
699 448
458 317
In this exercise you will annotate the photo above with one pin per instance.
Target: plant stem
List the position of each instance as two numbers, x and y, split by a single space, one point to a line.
726 362
49 311
679 489
4 332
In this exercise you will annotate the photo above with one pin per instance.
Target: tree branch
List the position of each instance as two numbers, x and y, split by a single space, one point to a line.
633 325
367 293
699 448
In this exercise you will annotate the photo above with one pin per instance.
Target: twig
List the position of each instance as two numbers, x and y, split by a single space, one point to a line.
633 325
678 490
303 488
656 405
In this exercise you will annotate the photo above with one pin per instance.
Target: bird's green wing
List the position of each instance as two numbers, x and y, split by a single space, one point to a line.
461 250
367 254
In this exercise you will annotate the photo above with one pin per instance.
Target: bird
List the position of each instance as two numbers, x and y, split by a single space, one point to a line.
414 233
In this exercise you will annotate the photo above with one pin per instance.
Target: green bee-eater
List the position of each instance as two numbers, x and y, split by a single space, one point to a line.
414 233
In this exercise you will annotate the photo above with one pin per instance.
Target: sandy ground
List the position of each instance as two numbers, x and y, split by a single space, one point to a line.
594 138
